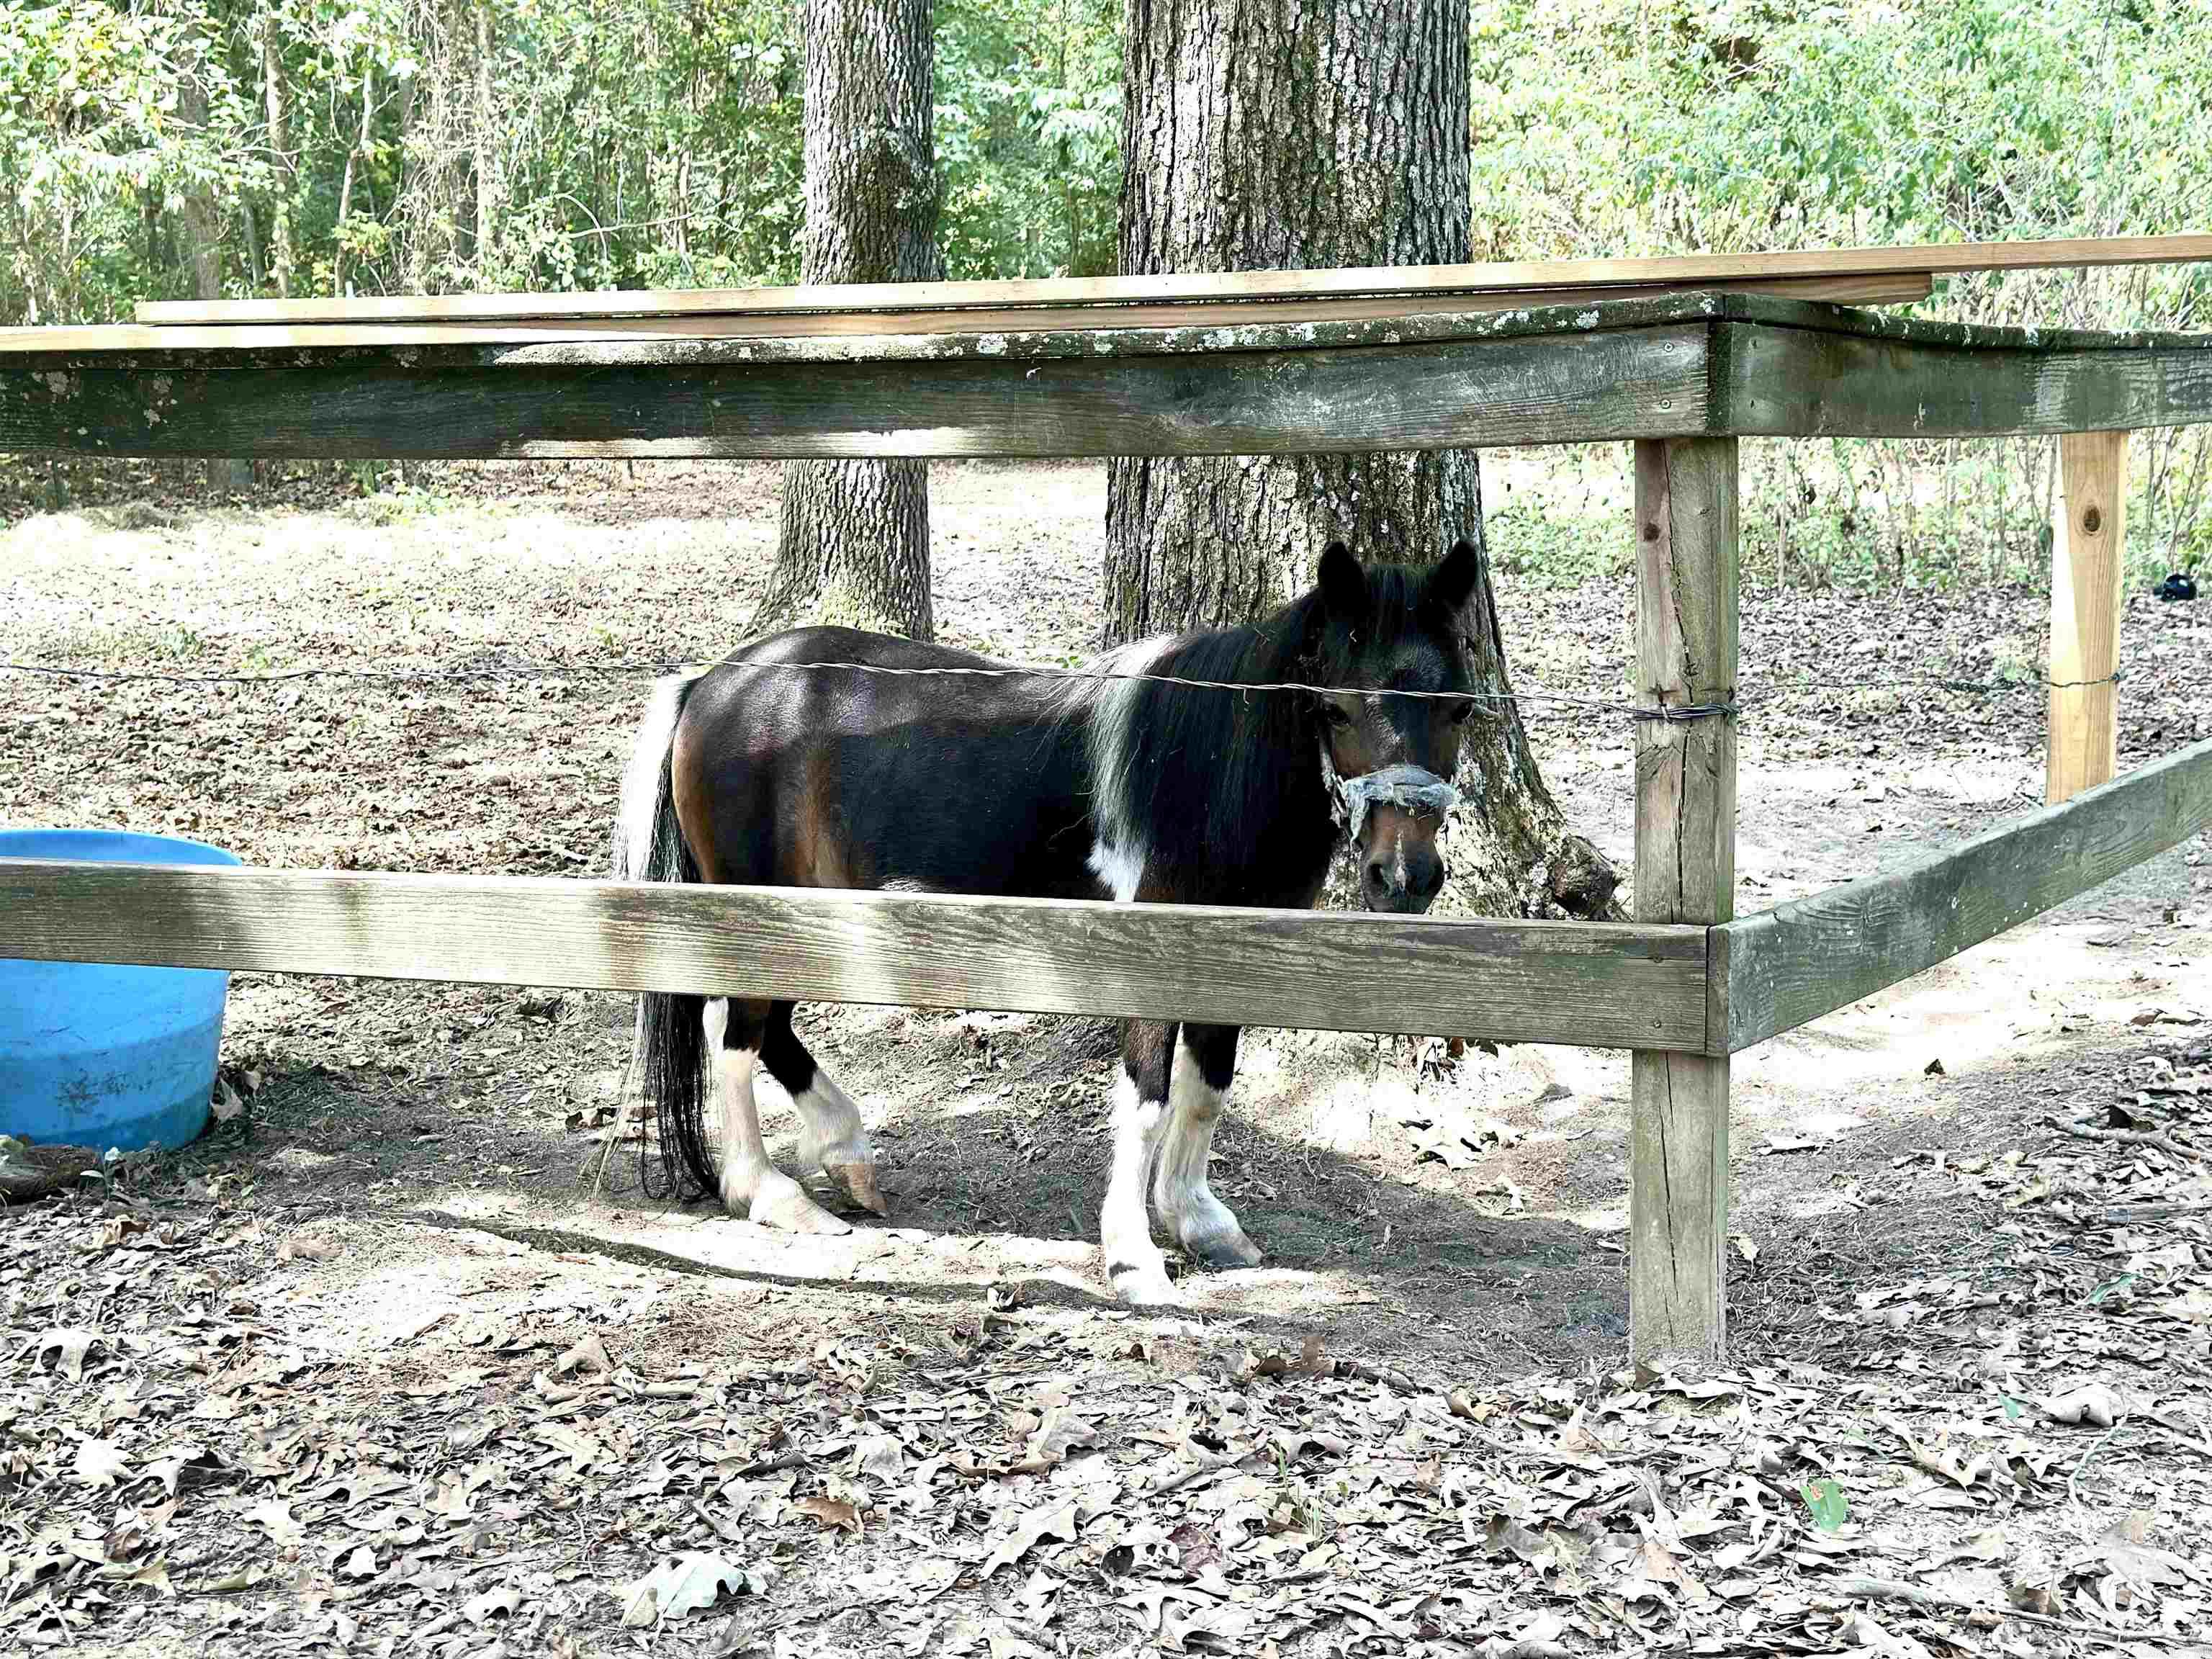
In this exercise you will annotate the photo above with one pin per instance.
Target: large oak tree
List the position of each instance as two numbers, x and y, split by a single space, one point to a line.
855 541
1274 134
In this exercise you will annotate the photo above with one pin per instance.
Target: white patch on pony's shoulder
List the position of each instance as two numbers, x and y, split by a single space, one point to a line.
1119 828
1120 870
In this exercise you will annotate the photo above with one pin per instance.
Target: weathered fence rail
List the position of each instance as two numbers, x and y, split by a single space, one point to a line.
1287 363
1532 981
1775 971
1674 365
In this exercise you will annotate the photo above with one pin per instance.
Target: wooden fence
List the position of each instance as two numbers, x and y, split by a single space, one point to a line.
1596 351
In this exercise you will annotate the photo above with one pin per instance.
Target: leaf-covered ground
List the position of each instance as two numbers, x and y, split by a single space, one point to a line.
384 1365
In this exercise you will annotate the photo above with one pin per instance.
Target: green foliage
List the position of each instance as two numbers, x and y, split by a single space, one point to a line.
562 144
1028 137
601 143
1690 126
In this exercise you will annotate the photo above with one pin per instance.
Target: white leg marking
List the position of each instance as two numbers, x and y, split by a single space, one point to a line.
830 1132
831 1137
751 1186
1202 1223
1134 1265
744 1158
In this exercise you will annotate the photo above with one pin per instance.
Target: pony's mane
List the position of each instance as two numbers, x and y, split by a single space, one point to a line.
1218 793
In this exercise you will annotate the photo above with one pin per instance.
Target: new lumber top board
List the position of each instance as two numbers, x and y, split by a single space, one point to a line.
1841 266
1664 365
1269 328
1084 331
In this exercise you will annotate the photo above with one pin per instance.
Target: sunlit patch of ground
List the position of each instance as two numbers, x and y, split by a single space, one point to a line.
393 1358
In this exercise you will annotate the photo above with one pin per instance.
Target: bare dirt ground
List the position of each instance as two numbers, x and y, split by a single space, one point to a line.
378 1367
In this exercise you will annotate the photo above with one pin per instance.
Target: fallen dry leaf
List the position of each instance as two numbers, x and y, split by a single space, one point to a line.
1060 1433
680 1587
588 1355
2095 1404
831 1512
274 1517
498 1603
70 1344
1049 1519
100 1463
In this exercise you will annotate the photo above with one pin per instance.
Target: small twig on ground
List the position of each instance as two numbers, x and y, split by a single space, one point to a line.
1198 1471
793 1459
1891 1589
607 1149
2089 1457
2151 1137
2118 1214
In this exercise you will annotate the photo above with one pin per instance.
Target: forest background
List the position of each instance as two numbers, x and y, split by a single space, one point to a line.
240 148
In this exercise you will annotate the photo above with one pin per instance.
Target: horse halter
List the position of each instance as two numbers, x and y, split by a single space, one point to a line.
1415 788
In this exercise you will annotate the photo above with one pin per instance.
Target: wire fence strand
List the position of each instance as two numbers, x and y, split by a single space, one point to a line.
624 668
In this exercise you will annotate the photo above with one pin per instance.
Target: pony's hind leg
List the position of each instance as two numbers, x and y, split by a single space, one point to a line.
1204 1065
1134 1265
831 1137
751 1186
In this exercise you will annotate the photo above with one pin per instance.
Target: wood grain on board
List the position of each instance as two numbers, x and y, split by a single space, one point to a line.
1514 388
1778 969
1531 981
1687 628
1704 269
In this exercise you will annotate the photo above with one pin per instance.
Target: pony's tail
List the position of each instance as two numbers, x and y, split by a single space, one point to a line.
669 1050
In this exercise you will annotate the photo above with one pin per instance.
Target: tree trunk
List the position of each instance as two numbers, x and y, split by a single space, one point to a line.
354 157
202 220
489 198
280 157
1263 134
855 542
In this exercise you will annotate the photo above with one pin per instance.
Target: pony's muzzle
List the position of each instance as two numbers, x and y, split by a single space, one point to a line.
1402 873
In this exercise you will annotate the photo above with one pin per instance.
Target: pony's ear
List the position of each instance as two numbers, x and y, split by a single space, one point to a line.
1343 583
1451 583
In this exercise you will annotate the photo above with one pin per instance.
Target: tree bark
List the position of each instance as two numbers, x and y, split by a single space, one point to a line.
490 198
202 232
279 156
855 538
354 157
1267 134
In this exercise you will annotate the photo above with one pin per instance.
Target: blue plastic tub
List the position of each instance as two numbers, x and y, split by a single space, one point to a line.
99 1056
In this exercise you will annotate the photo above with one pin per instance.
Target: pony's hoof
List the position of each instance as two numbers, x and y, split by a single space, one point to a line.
1142 1287
1225 1250
860 1180
785 1206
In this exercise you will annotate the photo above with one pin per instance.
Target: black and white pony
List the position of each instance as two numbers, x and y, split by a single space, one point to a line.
1085 787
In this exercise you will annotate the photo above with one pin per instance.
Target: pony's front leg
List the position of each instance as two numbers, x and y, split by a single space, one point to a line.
752 1186
831 1137
1204 1065
1134 1267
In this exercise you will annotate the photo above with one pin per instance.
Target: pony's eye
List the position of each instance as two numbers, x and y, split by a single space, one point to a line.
1334 715
1461 713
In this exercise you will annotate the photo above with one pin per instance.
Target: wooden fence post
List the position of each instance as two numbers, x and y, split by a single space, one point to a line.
1685 519
2086 566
